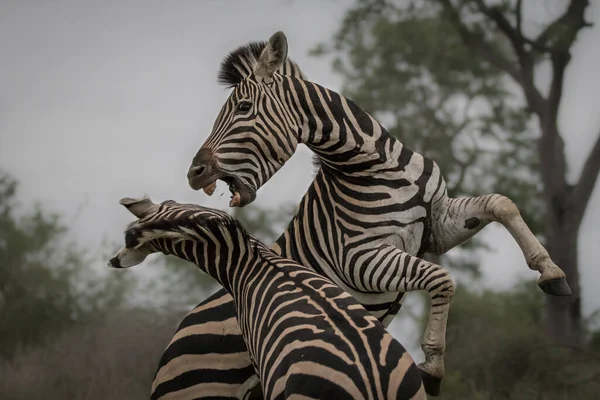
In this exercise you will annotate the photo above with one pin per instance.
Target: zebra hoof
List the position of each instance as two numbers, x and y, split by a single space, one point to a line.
556 287
431 383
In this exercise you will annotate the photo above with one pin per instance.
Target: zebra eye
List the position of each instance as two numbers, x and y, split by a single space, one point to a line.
244 106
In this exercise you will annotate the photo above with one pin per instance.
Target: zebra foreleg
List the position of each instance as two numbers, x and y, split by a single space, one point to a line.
406 273
457 220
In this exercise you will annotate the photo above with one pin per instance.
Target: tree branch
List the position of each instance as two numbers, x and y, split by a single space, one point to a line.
524 75
587 180
517 41
515 35
552 153
494 14
573 17
559 61
478 44
565 32
559 36
519 17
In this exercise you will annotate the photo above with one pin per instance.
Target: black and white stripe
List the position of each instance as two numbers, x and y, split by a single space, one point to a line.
374 208
308 338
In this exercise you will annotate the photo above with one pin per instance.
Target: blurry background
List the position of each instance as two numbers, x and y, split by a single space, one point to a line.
100 101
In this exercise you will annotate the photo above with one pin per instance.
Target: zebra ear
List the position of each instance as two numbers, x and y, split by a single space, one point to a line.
127 258
137 207
272 57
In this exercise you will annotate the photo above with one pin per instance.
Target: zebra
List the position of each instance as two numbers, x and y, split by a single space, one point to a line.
307 338
373 210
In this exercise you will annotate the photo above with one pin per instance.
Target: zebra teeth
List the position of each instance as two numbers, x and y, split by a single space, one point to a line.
236 199
210 188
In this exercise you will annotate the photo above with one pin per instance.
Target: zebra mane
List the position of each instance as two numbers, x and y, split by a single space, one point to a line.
182 229
240 63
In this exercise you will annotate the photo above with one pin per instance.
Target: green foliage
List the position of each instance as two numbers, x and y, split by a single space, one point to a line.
496 349
45 285
595 341
178 284
267 225
407 65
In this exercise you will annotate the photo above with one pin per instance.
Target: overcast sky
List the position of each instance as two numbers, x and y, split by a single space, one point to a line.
102 100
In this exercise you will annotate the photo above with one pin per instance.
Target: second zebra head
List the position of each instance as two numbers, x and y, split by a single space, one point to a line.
256 131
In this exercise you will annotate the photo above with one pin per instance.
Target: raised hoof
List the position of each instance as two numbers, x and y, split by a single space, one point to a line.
556 287
431 383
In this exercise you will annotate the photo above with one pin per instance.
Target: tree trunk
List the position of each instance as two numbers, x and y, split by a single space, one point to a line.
563 314
565 203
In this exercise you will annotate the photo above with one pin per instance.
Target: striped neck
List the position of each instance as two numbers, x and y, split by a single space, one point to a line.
231 259
344 136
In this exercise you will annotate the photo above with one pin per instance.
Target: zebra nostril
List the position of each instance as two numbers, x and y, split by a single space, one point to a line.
198 171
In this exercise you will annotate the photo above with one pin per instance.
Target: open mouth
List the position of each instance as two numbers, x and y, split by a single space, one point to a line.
236 197
241 194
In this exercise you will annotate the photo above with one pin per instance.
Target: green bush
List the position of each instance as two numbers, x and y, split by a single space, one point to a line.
110 359
496 350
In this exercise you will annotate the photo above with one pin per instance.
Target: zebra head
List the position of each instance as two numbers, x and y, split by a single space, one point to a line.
254 133
165 227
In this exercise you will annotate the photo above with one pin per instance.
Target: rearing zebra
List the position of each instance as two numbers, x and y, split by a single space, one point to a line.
309 339
374 208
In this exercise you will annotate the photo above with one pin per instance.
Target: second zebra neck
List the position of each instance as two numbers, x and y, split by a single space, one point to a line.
344 136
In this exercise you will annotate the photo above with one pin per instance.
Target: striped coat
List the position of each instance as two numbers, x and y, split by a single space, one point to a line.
373 210
307 338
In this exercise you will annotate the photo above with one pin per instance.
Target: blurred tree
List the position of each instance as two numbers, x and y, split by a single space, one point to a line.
456 81
112 358
45 286
496 349
265 224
